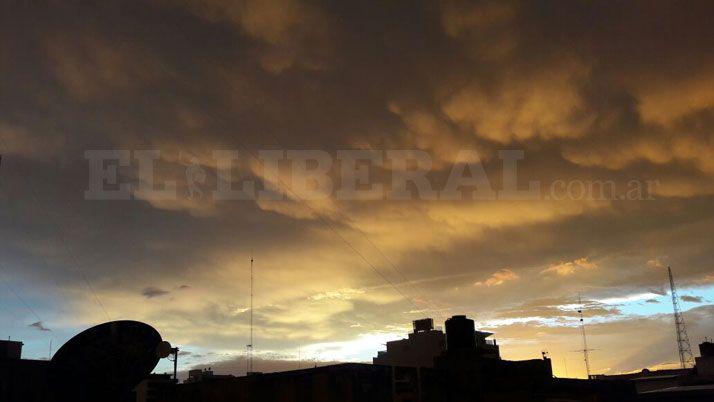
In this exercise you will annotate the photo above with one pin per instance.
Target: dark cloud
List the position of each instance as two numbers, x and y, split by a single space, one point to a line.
152 291
692 299
39 326
662 291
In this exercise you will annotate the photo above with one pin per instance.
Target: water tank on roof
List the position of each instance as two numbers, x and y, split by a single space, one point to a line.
10 350
423 325
460 333
706 349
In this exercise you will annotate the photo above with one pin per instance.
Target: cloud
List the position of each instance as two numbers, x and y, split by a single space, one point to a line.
19 141
90 66
548 105
570 268
286 28
551 311
39 326
692 299
498 278
342 294
151 292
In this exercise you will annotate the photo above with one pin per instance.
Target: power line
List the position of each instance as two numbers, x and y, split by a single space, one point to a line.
324 221
3 270
331 227
27 306
406 281
22 301
63 241
73 257
219 117
431 304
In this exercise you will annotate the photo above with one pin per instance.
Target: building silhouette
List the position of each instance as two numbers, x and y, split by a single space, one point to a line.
199 375
425 343
20 379
428 366
419 350
459 365
705 363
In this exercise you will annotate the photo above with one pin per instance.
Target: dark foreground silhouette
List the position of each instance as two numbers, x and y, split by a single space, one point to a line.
112 362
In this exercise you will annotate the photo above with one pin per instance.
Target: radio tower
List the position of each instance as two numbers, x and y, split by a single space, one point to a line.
683 346
586 351
249 347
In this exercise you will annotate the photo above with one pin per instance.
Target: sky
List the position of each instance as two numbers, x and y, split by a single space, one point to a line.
574 94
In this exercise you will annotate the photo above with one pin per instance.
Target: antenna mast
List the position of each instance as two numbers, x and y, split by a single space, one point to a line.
249 349
586 351
683 345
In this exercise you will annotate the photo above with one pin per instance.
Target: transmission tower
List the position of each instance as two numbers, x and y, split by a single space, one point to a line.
586 351
683 346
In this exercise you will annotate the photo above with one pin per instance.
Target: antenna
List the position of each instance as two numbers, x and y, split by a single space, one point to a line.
249 347
683 346
586 351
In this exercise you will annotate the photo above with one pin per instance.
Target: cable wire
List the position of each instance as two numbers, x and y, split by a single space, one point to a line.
64 242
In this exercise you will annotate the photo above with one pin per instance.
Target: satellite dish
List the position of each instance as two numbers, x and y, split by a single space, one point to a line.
163 350
106 362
